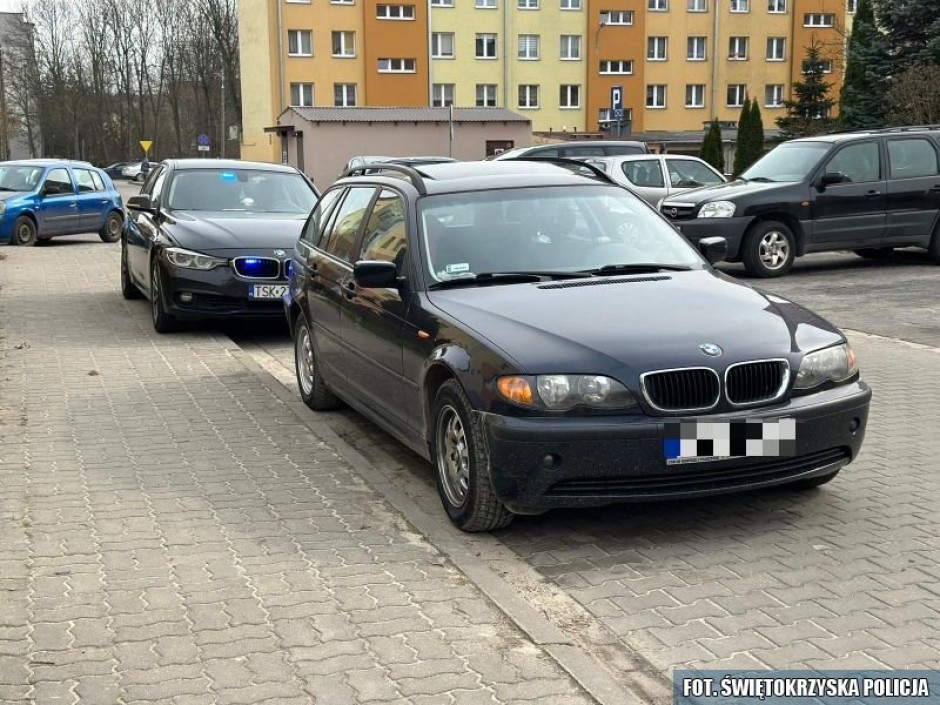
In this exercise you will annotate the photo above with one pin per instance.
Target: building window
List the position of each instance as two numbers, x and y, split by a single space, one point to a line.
740 5
616 66
824 64
529 96
485 4
344 95
819 19
528 4
442 45
570 4
569 97
344 44
395 12
486 46
656 48
301 95
695 95
698 6
397 65
528 47
657 5
570 47
299 42
737 94
442 95
442 3
342 2
486 95
656 96
773 95
617 17
776 7
696 49
851 6
776 48
737 48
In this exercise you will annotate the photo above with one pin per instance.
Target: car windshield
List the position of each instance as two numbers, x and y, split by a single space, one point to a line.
240 191
546 229
791 161
19 178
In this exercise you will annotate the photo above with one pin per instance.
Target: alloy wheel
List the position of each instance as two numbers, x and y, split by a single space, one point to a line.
774 250
453 456
305 360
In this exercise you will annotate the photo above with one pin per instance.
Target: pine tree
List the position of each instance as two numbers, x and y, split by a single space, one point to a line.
742 148
758 126
711 147
810 113
863 90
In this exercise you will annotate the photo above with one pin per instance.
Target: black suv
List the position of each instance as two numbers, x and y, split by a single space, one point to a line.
547 339
863 191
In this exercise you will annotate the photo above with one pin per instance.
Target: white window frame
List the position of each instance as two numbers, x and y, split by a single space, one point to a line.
346 52
531 89
482 35
489 93
527 4
570 5
301 103
442 3
624 18
569 42
740 6
342 2
774 87
398 65
826 19
653 44
529 47
735 52
696 42
484 4
615 67
345 103
697 6
827 66
740 95
436 41
698 91
443 95
657 5
774 43
659 91
566 92
396 13
851 6
300 34
777 7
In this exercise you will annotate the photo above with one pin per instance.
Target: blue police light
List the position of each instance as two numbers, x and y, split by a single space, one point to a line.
228 176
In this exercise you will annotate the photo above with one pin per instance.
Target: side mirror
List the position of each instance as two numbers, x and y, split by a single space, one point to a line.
713 249
49 188
830 178
141 202
374 274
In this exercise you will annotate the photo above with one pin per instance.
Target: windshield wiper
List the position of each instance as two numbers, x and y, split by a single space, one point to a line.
763 180
516 277
7 188
638 268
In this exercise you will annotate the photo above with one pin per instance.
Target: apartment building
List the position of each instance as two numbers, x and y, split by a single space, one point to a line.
678 62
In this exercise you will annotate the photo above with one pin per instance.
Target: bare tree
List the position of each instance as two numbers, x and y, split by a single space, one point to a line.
914 97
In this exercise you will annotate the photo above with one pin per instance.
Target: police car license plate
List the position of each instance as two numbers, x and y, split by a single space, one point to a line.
267 291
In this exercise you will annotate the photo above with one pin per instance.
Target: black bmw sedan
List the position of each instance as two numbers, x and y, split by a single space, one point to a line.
211 238
547 339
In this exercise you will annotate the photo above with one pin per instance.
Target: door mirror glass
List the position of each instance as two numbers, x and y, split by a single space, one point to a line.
830 178
713 249
370 274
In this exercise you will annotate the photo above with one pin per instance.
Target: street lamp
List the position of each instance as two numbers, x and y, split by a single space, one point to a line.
221 76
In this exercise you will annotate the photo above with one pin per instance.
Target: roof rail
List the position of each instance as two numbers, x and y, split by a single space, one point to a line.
567 161
414 176
887 130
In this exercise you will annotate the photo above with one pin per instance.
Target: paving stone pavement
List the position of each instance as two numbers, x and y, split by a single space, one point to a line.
173 534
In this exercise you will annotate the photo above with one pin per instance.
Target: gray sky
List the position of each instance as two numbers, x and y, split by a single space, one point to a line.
10 5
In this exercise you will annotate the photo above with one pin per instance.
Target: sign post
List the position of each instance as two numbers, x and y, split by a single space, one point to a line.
202 142
616 106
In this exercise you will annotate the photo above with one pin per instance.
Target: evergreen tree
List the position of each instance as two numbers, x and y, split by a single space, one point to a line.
742 148
810 112
711 147
863 90
909 36
757 134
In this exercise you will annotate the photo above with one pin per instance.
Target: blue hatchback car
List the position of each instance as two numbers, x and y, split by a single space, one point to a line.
45 198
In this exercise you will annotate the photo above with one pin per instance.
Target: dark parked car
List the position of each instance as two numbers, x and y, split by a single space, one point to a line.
576 149
45 198
212 238
406 161
863 191
548 340
116 170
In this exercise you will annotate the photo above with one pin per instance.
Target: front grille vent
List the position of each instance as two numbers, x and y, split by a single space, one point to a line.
601 282
753 382
257 267
678 212
687 389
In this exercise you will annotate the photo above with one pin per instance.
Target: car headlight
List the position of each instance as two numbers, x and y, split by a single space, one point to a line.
563 392
835 364
717 209
187 259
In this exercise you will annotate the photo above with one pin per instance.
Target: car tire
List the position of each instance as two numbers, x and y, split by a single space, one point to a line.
139 178
461 463
163 322
129 290
933 249
769 249
313 388
875 252
111 230
812 482
25 233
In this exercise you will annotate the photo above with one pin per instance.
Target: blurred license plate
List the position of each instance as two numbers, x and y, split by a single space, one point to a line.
267 291
704 441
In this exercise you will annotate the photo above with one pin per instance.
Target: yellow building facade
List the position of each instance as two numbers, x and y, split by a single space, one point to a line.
679 63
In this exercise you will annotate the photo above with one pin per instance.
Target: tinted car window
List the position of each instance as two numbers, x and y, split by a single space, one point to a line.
685 173
857 163
85 180
583 150
618 149
644 172
911 158
58 182
386 233
345 226
547 152
316 223
240 191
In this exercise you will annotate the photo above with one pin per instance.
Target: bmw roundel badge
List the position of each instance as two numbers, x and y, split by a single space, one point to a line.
279 253
710 349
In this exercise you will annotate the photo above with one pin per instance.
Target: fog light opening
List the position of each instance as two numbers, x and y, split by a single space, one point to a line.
186 297
855 425
551 461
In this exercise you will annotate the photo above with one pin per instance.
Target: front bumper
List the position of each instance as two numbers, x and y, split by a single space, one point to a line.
216 293
731 229
605 460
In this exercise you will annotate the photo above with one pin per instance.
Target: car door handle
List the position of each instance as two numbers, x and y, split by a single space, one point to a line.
873 194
